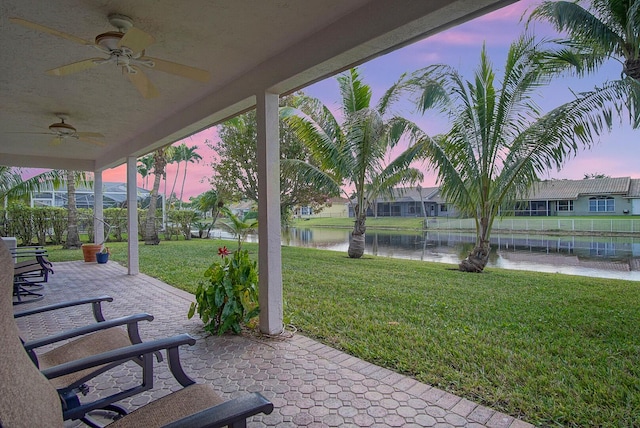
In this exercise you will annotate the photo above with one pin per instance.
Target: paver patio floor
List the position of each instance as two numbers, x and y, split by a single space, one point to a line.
310 384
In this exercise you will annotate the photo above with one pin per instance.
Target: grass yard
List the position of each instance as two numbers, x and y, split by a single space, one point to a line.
554 350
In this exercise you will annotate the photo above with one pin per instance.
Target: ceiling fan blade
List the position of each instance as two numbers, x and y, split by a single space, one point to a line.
38 27
74 67
136 40
89 135
180 69
143 84
56 141
30 133
91 141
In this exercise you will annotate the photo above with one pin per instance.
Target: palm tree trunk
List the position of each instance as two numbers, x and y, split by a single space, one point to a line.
151 234
73 238
356 243
159 164
184 178
175 180
479 256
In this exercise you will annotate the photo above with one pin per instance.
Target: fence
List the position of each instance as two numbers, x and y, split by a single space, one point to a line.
541 225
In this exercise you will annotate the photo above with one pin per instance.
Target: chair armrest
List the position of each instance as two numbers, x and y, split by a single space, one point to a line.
131 319
119 355
95 301
226 413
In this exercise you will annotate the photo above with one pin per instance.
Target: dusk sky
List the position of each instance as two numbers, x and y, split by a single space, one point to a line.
614 154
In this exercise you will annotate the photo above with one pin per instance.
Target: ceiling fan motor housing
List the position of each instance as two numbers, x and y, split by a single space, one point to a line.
62 129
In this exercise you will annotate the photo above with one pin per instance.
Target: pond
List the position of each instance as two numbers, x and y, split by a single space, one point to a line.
598 256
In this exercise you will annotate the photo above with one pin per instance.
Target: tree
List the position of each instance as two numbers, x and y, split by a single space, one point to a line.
499 141
236 170
187 155
590 175
13 186
609 29
212 201
357 153
239 227
73 237
176 157
160 159
145 164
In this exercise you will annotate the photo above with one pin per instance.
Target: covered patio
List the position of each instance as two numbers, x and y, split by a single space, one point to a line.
309 383
89 86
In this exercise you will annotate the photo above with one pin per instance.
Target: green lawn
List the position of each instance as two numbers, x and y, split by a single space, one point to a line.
554 350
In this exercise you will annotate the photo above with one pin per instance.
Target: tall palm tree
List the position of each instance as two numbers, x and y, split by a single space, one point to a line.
188 155
499 141
145 164
356 153
73 237
160 159
176 157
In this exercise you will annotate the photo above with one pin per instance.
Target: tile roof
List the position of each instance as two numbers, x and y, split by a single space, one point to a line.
571 189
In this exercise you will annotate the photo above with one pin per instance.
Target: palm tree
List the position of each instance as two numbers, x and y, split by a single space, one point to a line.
239 227
499 141
609 29
160 159
73 237
12 185
210 201
188 155
356 152
176 157
145 164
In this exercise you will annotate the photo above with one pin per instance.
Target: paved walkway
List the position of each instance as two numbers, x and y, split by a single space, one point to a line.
310 384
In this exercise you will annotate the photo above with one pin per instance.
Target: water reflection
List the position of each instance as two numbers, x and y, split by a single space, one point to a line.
600 256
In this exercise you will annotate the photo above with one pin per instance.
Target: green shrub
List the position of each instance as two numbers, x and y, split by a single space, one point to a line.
183 219
58 220
21 223
40 223
229 297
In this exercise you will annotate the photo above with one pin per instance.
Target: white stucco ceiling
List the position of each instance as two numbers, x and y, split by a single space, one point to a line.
248 46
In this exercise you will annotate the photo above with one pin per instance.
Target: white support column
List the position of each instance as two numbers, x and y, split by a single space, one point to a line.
132 215
269 253
98 209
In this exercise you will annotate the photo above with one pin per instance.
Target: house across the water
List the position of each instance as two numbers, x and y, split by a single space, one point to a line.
597 196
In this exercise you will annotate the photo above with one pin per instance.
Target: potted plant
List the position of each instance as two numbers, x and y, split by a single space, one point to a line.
103 255
90 251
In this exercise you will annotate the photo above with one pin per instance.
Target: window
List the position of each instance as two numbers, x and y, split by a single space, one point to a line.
602 204
565 205
443 208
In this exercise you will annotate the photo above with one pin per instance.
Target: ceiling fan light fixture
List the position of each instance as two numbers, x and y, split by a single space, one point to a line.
62 129
109 40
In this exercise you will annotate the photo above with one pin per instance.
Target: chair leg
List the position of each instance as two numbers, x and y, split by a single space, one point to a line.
20 292
100 417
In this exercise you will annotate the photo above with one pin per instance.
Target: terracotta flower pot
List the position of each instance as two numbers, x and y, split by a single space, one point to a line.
89 252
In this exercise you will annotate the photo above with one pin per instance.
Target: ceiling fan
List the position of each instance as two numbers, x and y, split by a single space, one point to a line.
63 131
124 48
